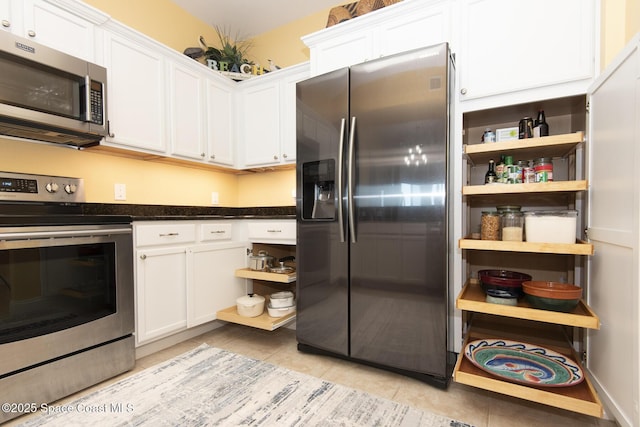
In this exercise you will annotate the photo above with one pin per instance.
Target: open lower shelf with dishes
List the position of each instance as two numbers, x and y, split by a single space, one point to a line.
472 298
579 396
264 321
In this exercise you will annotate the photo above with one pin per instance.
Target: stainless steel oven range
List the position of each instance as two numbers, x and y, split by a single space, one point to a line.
66 292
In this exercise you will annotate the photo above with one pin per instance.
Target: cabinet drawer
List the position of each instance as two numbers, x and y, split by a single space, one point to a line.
273 232
218 231
164 234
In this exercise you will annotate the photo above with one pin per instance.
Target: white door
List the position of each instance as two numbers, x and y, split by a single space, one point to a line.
613 358
186 112
211 282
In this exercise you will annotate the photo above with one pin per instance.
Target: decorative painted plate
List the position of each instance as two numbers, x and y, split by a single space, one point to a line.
524 363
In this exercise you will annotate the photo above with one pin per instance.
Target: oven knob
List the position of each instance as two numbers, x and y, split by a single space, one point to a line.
52 187
70 188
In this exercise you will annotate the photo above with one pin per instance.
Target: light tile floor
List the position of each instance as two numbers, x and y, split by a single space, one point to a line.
467 404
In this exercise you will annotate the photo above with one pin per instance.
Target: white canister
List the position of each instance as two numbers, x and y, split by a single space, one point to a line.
281 299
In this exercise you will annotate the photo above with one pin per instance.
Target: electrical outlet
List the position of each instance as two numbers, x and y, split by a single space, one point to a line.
215 198
120 192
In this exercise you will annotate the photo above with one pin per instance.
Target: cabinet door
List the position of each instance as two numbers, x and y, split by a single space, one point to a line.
161 305
59 29
186 112
8 15
260 124
288 114
220 135
508 46
426 26
613 292
136 88
342 51
211 283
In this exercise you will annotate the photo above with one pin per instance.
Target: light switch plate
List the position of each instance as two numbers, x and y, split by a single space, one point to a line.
215 198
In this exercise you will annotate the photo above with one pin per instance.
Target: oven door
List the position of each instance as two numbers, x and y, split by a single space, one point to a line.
63 289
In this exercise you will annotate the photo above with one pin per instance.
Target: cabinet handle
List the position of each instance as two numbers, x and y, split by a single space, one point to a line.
109 133
6 23
143 257
463 91
218 232
168 234
31 33
274 231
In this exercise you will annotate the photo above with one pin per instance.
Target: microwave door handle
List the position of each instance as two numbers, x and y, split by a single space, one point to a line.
340 172
87 99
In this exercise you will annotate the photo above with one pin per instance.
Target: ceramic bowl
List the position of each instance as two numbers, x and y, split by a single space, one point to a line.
502 283
553 296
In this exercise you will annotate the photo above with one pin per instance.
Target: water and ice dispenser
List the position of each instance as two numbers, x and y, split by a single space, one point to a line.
319 190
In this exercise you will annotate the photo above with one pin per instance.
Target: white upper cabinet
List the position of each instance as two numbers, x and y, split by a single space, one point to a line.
403 26
267 117
220 122
135 93
506 47
40 21
186 101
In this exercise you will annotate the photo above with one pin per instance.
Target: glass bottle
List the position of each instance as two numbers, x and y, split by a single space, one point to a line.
541 128
491 177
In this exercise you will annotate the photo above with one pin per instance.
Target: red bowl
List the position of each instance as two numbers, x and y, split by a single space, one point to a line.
502 282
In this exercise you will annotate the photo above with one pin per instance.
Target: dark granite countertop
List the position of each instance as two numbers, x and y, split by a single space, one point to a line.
164 212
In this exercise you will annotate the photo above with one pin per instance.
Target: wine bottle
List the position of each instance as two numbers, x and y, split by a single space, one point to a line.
541 128
491 177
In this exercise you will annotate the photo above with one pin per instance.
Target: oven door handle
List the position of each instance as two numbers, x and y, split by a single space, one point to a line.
34 235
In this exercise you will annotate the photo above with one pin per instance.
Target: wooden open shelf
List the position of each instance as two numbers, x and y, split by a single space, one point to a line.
547 146
264 275
472 298
578 248
580 398
264 321
536 187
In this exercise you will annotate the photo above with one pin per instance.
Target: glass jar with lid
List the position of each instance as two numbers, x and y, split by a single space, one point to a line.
490 226
512 226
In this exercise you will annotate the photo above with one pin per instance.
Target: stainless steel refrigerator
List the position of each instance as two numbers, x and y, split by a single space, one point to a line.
372 213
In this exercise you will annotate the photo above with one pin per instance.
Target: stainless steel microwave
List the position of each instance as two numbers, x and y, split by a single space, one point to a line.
47 95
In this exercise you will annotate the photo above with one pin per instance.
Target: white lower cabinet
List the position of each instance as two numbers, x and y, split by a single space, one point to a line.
184 274
161 301
211 282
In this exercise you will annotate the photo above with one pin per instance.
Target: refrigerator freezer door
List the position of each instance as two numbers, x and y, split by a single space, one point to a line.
322 253
398 262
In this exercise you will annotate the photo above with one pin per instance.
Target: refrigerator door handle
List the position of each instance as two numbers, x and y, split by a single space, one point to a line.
350 170
340 171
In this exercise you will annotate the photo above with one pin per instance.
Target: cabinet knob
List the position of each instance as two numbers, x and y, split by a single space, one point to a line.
213 156
31 33
275 157
6 23
202 155
143 256
463 91
284 155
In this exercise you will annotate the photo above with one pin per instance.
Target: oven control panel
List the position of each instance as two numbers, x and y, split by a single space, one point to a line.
21 187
